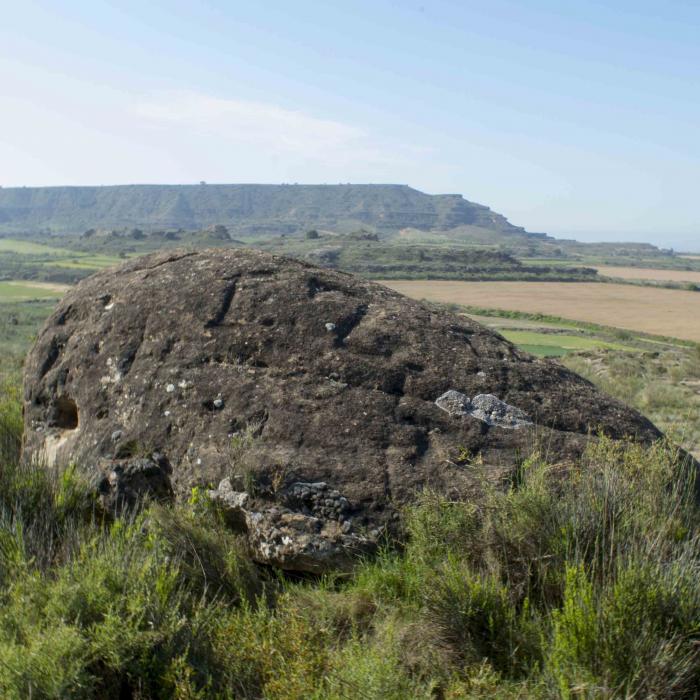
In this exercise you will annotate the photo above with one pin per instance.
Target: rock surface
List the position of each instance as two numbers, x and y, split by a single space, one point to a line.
124 482
314 392
486 407
304 531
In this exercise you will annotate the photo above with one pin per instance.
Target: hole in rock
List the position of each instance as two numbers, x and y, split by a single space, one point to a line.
65 413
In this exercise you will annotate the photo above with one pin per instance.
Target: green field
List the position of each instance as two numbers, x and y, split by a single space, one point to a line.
12 245
26 291
59 257
86 262
33 260
556 344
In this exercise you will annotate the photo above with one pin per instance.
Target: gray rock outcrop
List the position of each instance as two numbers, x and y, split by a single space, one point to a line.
313 392
486 407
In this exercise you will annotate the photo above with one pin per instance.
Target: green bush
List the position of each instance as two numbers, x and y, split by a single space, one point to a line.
576 580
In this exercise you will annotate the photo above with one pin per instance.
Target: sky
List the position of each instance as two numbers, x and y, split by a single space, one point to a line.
578 119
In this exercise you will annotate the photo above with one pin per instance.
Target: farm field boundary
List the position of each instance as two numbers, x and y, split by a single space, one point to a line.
667 312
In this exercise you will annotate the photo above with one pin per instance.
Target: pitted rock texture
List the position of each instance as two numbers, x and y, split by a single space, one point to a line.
485 407
275 373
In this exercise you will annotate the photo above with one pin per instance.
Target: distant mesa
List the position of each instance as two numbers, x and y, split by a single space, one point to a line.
242 209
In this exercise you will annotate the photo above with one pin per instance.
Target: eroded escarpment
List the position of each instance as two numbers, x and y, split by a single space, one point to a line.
296 389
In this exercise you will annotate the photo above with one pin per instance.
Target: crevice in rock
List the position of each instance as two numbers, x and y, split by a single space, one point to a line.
167 348
261 272
169 259
226 301
422 444
129 355
346 325
315 286
64 315
394 383
387 484
465 334
52 356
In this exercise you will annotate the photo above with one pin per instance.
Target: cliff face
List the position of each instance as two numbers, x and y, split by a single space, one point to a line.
243 208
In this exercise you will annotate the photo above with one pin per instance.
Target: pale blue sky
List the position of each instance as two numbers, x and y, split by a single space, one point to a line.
578 119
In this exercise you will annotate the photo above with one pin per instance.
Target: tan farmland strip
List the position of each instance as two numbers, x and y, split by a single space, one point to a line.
46 286
670 312
647 273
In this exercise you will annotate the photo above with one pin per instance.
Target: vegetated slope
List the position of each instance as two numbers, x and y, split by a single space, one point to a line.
535 590
252 209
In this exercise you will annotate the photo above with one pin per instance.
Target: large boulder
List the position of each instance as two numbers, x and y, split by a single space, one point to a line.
313 403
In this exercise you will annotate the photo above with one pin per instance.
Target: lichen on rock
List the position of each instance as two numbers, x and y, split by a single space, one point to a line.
486 407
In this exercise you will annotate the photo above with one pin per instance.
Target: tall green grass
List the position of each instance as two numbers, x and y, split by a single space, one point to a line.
577 581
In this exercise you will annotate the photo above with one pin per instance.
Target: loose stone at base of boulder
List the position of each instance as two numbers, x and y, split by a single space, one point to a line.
316 499
486 407
293 540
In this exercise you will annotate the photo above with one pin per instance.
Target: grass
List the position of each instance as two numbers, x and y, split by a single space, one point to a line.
86 262
19 323
31 261
664 385
555 344
25 291
572 581
12 245
545 589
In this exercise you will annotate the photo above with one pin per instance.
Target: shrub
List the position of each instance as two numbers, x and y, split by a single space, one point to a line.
574 580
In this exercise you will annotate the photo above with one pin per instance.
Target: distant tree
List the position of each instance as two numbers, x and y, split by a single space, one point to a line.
220 232
312 234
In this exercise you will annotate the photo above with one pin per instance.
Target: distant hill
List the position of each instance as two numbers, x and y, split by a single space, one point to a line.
244 209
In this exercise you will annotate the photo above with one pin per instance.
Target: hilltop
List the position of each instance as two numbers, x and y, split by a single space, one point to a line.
244 209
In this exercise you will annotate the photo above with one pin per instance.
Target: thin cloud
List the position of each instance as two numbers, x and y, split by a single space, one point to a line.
268 126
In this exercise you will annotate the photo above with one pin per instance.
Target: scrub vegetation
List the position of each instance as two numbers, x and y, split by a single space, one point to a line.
583 586
567 581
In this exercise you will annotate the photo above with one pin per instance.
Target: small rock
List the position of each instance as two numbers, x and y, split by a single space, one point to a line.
218 403
485 407
170 388
116 435
232 504
330 327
